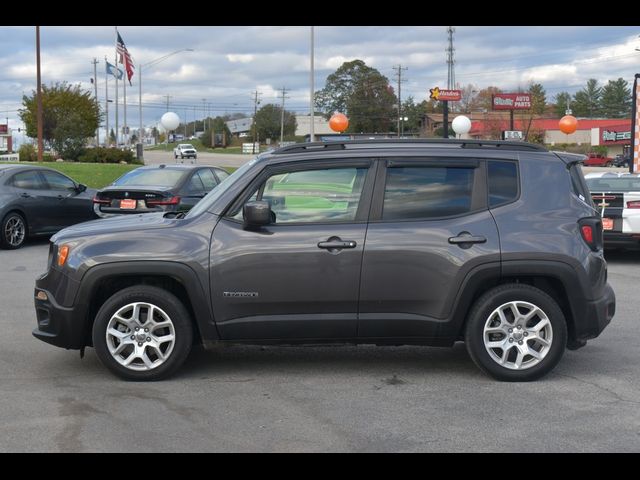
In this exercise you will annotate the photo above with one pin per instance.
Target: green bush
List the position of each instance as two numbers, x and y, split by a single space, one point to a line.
107 155
28 153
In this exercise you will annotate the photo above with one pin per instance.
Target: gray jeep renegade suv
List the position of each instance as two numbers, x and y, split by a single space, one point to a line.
496 244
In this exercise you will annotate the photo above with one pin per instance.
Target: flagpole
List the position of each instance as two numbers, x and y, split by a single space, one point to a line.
125 134
106 99
116 57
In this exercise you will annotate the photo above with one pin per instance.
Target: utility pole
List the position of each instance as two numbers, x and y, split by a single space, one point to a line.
451 81
39 94
399 68
95 86
312 135
107 140
168 97
284 91
255 112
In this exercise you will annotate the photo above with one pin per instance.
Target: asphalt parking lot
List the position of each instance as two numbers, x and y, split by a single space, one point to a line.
359 399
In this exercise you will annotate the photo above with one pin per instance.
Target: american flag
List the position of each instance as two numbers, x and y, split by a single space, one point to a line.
125 58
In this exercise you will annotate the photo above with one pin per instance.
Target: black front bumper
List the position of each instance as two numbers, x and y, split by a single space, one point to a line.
59 325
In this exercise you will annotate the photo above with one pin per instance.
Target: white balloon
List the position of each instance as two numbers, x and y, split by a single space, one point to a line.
461 124
170 121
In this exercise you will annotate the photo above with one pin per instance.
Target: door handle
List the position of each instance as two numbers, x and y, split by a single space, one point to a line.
60 197
336 243
25 195
465 239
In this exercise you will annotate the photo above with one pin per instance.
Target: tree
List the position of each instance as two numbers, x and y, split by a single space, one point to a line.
70 116
562 103
484 99
468 100
414 113
616 99
267 121
218 127
586 102
538 98
363 94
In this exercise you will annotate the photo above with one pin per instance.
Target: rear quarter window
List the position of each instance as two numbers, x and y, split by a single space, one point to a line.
503 185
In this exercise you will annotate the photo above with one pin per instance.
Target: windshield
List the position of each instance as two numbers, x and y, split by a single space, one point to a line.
223 186
160 177
620 184
186 145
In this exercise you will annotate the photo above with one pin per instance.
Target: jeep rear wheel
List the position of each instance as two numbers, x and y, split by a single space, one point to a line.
516 332
142 333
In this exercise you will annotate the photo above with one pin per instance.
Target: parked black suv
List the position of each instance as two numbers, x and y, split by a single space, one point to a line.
370 242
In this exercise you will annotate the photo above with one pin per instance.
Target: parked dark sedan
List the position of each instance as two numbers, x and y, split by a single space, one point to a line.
39 201
621 161
170 188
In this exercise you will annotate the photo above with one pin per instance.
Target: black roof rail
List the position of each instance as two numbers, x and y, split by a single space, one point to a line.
407 142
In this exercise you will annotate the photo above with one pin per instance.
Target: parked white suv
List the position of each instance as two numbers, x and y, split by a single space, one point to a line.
185 150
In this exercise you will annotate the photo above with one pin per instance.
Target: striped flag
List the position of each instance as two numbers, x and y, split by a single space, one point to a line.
125 58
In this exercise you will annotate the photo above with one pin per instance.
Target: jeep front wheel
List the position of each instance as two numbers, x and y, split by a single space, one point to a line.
516 332
142 333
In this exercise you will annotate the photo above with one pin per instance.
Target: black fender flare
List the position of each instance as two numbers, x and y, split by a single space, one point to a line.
185 275
575 285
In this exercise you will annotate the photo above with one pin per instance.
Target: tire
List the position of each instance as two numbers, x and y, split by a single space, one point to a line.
608 164
135 344
13 231
544 313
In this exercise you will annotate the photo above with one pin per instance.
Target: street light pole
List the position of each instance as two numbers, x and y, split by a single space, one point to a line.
150 64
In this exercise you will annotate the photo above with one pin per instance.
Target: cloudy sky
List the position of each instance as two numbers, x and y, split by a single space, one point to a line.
228 63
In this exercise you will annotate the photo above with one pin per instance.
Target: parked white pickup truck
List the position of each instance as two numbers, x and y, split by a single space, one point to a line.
185 150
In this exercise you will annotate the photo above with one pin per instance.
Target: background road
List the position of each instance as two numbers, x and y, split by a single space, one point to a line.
155 157
315 399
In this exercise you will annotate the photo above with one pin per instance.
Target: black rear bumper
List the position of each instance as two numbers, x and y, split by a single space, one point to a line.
621 240
596 316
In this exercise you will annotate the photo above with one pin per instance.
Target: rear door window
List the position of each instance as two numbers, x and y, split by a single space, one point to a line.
423 192
28 180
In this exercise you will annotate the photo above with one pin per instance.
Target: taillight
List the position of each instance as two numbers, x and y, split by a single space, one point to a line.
101 201
165 201
591 231
633 204
587 234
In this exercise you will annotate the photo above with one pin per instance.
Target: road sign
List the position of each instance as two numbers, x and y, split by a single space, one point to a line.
511 101
445 95
512 135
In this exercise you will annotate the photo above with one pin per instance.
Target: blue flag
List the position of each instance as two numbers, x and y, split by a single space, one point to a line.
111 69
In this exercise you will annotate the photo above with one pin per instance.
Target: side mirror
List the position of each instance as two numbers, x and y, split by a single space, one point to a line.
256 214
82 187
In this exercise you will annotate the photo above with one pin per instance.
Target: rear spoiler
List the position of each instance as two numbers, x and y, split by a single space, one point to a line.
570 158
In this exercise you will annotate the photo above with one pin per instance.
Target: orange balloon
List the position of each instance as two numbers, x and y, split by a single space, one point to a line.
568 124
338 122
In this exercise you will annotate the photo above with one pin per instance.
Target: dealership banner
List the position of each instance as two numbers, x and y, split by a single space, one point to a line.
511 101
635 126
